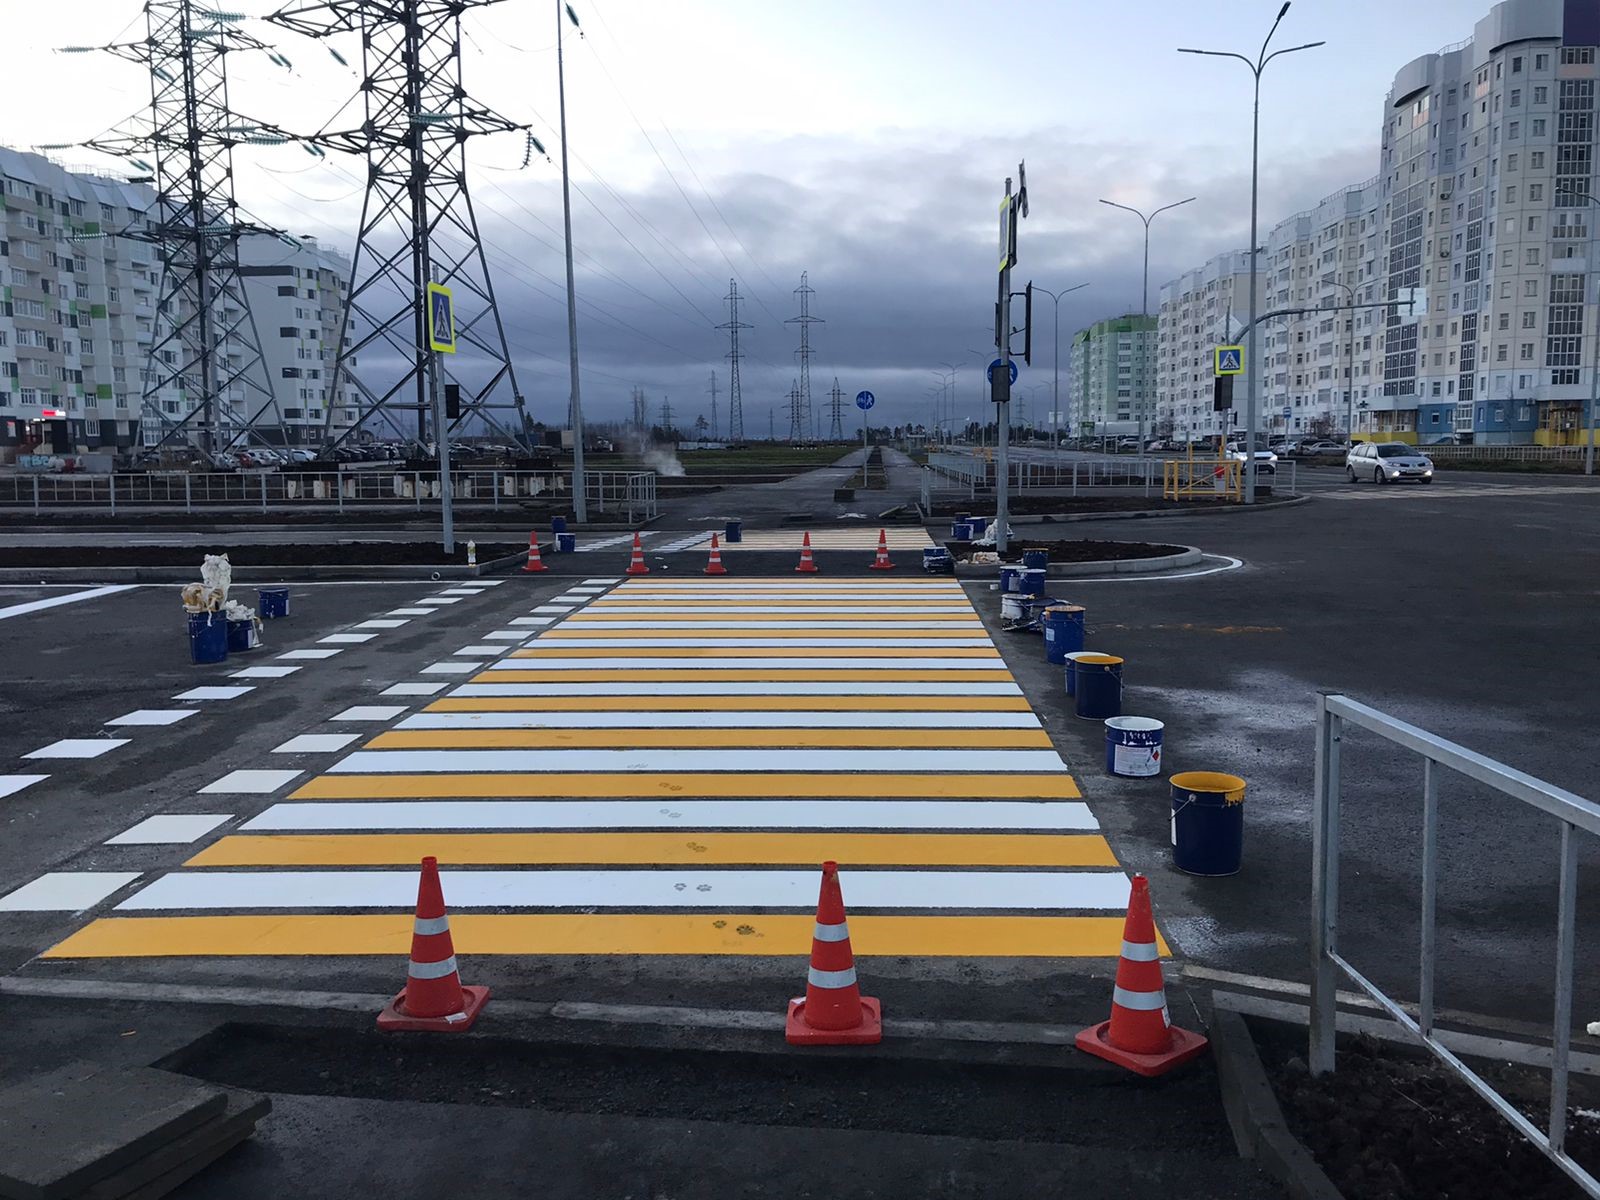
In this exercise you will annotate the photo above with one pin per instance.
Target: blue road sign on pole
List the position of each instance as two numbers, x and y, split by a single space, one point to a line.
1287 413
996 363
441 319
1229 360
865 400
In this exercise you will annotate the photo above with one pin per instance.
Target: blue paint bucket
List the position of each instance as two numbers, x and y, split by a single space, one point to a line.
1063 631
1097 689
558 524
242 636
959 532
937 561
1030 581
1133 746
1010 581
566 543
1072 657
1036 560
733 532
272 602
1207 822
208 638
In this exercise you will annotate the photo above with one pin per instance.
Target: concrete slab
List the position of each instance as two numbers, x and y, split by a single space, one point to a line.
185 1156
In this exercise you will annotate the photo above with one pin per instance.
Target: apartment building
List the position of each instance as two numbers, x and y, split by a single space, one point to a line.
1200 310
1111 376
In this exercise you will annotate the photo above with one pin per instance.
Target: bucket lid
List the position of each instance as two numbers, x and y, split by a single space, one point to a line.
1135 724
1099 659
1207 781
1078 655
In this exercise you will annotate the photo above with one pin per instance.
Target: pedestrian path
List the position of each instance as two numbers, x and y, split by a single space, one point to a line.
660 771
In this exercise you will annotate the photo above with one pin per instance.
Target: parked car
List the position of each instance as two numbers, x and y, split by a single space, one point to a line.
1322 446
301 455
1266 460
1387 462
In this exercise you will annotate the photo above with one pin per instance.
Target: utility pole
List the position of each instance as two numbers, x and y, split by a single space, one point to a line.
713 390
580 498
836 427
1012 209
805 418
735 402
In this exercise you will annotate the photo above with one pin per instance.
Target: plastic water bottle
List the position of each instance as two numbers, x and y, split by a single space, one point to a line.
472 554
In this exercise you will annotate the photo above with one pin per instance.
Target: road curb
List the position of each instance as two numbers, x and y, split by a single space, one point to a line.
1141 514
1255 1116
398 572
1187 557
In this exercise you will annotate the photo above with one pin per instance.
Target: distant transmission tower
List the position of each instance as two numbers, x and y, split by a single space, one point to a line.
713 390
735 402
205 342
797 430
804 415
417 223
836 411
666 416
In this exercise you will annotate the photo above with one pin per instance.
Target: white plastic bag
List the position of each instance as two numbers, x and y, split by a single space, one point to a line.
217 572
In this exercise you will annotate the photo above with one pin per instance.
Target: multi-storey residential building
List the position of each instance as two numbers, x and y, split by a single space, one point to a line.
1200 310
82 313
1111 376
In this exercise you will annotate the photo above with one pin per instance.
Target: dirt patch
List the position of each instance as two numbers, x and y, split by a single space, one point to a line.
1393 1125
1078 550
333 554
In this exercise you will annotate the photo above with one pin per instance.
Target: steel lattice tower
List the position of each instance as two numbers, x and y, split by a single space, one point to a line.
797 432
195 228
836 428
803 412
733 325
417 221
713 390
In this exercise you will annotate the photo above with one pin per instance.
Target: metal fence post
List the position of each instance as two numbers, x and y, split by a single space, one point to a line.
263 491
35 493
416 488
1324 890
1430 892
495 483
188 480
1561 1040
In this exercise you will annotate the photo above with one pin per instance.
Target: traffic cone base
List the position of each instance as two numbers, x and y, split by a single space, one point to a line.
1185 1046
395 1019
869 1033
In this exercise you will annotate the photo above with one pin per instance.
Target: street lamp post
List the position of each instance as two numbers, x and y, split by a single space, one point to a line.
580 490
950 404
1252 384
1055 378
1144 301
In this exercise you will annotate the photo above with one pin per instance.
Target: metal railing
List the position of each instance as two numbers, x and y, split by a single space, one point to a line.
633 492
971 471
1446 454
1202 479
1574 813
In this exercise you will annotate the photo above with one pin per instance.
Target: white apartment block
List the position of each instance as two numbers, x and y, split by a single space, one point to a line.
1200 310
1111 376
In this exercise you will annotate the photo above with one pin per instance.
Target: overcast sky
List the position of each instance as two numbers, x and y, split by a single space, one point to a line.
865 143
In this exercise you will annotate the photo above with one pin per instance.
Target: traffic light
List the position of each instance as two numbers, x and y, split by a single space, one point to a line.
452 401
1222 393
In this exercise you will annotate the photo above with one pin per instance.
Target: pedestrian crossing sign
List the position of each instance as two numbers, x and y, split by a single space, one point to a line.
1230 360
441 319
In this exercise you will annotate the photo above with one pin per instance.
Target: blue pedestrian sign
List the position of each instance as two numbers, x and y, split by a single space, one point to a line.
441 319
865 400
1287 413
1230 360
996 363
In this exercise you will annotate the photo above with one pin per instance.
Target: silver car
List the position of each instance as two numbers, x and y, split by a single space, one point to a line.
1387 462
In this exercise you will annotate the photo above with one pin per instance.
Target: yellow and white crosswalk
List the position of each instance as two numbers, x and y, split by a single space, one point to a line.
661 772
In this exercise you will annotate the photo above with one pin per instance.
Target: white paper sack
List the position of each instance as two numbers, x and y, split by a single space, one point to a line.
235 611
198 598
217 572
1594 1028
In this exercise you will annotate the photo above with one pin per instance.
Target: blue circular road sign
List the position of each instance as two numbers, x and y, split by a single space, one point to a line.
996 363
865 400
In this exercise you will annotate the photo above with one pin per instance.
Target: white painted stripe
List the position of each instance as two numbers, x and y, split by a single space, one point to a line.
549 662
370 816
316 743
296 655
1138 1001
831 933
556 645
413 689
605 608
420 762
606 582
33 606
966 625
381 623
831 979
746 585
409 612
228 692
724 689
347 639
10 785
251 782
434 970
370 712
452 668
178 829
429 926
487 583
66 891
732 889
154 716
1140 951
506 635
531 621
553 608
77 748
722 720
262 673
480 651
605 543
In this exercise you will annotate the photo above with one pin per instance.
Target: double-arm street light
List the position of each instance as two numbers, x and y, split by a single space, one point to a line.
1252 369
1055 379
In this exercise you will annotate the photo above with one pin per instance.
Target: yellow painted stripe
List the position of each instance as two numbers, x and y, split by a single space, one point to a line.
759 652
857 600
569 629
659 849
595 933
734 703
644 738
672 785
743 675
590 616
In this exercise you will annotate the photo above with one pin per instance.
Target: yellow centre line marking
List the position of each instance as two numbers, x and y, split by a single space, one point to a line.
742 674
731 703
669 785
596 933
659 849
644 738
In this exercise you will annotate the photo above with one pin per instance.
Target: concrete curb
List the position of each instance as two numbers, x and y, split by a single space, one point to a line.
1138 514
399 572
1255 1116
1188 557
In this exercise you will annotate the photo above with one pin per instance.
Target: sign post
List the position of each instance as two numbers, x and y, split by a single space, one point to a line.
1003 373
441 340
864 401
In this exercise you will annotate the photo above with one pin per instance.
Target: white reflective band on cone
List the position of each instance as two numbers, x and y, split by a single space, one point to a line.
431 925
436 970
1138 1001
1140 951
831 933
831 979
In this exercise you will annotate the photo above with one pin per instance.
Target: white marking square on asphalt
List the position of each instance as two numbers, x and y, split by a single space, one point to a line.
153 716
607 582
66 891
436 600
214 693
409 612
316 743
582 589
379 623
414 689
531 621
451 668
77 748
293 655
481 651
461 591
262 673
504 635
487 583
554 608
10 785
250 783
346 639
370 712
169 830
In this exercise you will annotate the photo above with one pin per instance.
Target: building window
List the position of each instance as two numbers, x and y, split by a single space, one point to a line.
1525 352
1577 54
1541 62
1516 96
1528 318
1530 287
1538 127
1541 95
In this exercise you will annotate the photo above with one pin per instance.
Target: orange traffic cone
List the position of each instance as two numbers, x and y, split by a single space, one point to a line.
637 567
1140 1035
833 1011
882 563
807 565
715 567
434 997
535 563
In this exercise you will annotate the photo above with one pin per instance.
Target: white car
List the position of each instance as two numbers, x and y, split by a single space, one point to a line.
1387 462
1266 460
